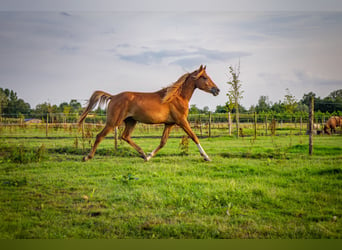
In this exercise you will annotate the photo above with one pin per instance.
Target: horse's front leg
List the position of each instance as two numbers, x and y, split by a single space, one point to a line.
186 127
163 140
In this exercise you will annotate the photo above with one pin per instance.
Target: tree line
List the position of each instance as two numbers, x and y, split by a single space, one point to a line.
331 104
13 106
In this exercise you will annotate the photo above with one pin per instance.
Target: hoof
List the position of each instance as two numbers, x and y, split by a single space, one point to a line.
144 157
207 159
86 158
148 157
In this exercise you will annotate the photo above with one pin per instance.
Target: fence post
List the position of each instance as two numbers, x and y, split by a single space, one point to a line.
255 125
301 125
237 119
83 130
230 123
209 124
200 124
47 124
266 125
311 125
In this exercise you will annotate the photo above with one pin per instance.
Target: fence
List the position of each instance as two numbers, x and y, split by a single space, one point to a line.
204 125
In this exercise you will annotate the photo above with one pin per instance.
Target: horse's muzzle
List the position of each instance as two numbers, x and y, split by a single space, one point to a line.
215 91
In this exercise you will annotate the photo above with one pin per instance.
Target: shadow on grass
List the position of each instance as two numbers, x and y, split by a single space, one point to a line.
121 152
317 149
259 155
285 152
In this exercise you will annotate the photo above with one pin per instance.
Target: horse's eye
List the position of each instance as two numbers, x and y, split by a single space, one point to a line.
204 78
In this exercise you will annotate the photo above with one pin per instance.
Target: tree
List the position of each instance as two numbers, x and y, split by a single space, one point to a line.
12 99
263 104
235 92
66 111
45 108
336 98
336 95
303 108
205 110
278 107
11 105
3 101
62 106
193 109
331 103
252 109
42 109
290 102
307 98
75 106
221 109
22 107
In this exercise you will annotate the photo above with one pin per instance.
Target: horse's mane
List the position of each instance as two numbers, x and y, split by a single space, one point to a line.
174 89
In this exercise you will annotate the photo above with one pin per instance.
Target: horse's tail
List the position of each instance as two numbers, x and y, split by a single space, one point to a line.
98 97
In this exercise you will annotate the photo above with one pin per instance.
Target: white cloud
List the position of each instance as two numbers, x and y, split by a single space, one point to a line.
186 58
58 56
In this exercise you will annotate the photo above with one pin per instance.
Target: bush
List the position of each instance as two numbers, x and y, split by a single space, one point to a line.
184 145
21 154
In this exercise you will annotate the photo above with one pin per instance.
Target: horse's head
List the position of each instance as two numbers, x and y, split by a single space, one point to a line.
204 82
326 129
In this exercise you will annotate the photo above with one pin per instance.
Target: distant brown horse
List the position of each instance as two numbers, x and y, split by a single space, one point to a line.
331 125
167 106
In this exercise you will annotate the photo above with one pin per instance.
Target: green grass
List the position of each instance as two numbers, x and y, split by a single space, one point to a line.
263 188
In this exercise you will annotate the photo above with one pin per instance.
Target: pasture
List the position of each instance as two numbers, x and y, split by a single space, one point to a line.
268 187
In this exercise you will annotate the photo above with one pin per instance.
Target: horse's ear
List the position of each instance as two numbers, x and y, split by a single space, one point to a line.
199 72
205 67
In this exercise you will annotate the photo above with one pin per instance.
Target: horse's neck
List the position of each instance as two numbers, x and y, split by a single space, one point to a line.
188 89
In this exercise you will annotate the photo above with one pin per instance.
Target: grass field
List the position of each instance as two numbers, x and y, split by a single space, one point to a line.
263 188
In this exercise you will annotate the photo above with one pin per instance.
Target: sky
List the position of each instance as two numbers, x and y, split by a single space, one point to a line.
55 53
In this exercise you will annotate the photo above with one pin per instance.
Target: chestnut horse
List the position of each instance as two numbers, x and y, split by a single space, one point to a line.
331 125
169 106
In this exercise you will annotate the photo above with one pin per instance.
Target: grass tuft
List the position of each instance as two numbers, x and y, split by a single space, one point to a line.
22 154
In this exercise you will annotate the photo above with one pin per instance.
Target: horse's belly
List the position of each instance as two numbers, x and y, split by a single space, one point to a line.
147 108
151 116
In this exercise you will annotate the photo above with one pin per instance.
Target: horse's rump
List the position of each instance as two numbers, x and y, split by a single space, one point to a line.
332 123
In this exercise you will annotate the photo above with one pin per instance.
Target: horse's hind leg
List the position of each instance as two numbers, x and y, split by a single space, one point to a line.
108 128
126 136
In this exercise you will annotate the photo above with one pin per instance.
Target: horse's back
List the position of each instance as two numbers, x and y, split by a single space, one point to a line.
142 107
